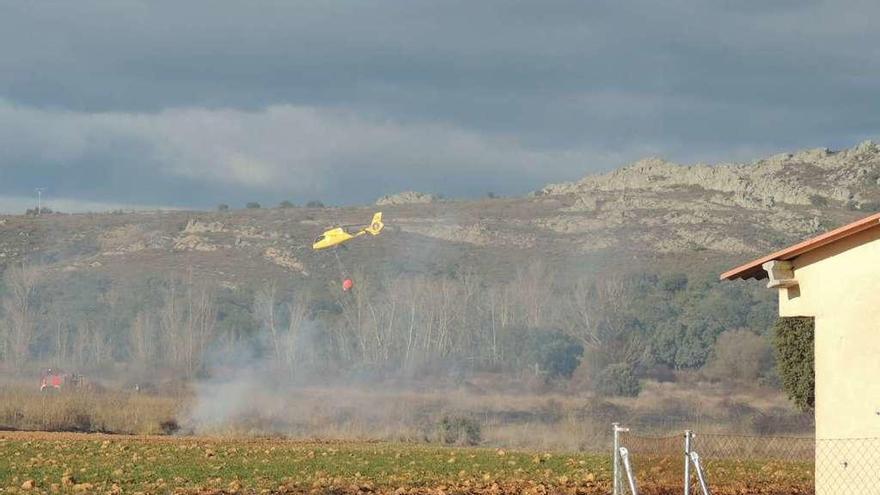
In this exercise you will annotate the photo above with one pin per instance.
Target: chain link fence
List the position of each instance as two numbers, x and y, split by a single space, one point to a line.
739 464
848 466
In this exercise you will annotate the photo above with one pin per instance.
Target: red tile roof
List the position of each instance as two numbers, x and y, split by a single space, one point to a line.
753 269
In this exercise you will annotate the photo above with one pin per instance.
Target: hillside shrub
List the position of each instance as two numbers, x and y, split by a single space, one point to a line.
819 201
871 206
32 212
618 380
314 204
558 354
460 430
794 340
554 352
286 204
222 207
169 426
673 282
740 355
253 205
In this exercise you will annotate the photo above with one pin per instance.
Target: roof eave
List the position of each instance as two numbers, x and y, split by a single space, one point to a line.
753 269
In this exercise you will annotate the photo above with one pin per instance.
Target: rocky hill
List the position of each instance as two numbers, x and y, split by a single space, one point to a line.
789 195
802 178
651 212
406 197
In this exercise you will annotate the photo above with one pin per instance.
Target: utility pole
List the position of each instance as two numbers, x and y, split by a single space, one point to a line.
40 191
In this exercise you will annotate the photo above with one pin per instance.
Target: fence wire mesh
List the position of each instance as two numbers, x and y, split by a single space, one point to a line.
658 461
848 466
738 464
777 465
757 464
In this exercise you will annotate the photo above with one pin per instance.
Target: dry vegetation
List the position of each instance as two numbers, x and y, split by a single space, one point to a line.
504 417
88 409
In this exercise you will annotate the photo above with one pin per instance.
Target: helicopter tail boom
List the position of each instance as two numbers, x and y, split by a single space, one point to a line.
376 224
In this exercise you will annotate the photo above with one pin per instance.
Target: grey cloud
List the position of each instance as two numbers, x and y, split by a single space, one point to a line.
575 86
201 156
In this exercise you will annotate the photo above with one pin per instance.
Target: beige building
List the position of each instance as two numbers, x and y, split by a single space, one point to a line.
835 279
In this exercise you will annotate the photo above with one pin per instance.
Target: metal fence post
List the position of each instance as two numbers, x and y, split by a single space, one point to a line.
615 460
687 463
695 458
615 456
630 473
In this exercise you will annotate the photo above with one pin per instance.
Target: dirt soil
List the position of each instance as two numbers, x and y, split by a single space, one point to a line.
37 462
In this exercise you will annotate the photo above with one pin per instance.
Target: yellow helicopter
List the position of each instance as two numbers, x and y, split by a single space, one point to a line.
336 236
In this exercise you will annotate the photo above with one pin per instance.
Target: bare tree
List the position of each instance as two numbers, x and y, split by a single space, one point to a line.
586 308
170 323
200 324
187 323
19 306
358 322
143 345
60 327
596 315
265 301
297 318
533 287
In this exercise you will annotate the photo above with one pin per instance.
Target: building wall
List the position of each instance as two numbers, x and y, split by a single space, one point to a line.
839 285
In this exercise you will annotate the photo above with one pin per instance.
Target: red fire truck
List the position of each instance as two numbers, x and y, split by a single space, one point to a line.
56 379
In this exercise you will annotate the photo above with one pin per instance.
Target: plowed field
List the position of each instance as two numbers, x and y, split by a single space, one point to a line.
80 463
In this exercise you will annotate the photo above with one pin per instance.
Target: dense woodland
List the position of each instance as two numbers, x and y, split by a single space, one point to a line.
600 332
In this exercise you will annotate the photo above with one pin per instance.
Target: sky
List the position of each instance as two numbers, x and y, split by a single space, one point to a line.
119 103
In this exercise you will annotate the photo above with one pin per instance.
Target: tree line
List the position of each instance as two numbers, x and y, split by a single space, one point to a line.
604 331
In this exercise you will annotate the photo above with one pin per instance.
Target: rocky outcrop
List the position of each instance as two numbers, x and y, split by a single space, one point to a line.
193 242
121 240
195 226
804 178
284 259
130 238
407 197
